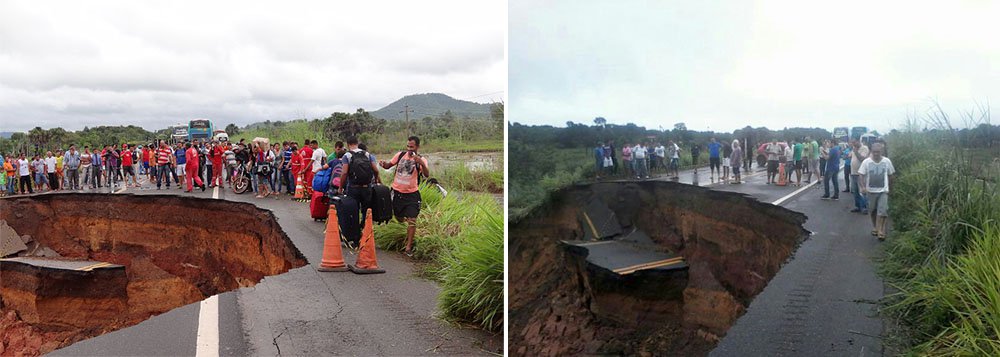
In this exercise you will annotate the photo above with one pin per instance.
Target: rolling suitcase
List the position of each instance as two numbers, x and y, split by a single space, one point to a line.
381 204
349 217
319 206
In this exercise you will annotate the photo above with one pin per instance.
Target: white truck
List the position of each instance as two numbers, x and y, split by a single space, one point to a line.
220 136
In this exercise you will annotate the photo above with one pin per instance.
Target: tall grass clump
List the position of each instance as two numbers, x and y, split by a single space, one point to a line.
472 275
970 291
441 221
459 240
940 211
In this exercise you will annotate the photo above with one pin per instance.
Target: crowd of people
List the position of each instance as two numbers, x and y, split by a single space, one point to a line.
266 169
866 171
644 158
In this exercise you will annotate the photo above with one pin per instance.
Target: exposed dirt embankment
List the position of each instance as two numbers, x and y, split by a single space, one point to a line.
176 251
559 304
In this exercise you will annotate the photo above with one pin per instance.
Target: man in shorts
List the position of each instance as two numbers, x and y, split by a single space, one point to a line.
812 153
876 174
128 170
714 159
410 167
772 150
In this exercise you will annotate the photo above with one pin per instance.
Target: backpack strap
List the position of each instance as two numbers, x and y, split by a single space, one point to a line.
399 156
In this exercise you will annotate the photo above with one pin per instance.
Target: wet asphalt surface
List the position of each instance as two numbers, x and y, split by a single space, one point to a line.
304 312
823 301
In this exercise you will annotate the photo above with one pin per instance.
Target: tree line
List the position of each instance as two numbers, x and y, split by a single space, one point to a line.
336 126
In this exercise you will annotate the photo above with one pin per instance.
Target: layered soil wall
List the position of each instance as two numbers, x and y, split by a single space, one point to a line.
560 305
175 250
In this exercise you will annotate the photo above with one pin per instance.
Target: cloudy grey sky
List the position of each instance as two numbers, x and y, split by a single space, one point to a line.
724 65
155 63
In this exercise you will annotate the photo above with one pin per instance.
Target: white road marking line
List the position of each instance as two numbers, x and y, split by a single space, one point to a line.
208 319
208 328
790 195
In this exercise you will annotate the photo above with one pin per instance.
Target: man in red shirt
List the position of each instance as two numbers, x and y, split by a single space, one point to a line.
191 168
147 153
307 174
216 154
163 164
127 169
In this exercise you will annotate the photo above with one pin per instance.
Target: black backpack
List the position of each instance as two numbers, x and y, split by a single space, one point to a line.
360 168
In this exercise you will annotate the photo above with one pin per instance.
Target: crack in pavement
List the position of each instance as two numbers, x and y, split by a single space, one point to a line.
274 341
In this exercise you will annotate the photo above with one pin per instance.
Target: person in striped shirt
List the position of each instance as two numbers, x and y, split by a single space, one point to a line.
163 154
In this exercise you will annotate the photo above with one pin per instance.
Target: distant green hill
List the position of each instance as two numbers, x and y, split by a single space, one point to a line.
432 105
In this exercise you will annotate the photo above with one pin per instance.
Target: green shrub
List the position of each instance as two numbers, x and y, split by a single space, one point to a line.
943 239
459 239
472 275
969 289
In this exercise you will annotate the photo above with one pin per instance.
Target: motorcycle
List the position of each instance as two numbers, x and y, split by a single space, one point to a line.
240 181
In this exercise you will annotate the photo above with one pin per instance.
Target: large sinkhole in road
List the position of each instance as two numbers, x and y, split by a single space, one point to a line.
90 264
630 268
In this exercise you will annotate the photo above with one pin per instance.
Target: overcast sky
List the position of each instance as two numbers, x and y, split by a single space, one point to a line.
724 65
156 63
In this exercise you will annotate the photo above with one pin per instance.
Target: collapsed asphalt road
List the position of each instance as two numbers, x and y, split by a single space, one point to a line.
824 301
301 312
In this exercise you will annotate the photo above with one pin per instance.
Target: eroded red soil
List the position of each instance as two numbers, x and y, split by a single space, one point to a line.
176 251
559 304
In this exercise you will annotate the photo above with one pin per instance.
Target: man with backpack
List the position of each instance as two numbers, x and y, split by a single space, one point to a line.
357 179
410 167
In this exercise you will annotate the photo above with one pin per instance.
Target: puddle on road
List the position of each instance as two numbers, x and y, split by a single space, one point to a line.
560 304
172 251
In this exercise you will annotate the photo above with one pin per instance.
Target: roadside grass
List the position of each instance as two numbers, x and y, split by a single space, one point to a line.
461 247
969 289
472 276
942 254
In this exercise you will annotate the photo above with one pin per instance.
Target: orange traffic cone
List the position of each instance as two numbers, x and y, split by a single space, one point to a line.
333 257
781 175
366 263
299 190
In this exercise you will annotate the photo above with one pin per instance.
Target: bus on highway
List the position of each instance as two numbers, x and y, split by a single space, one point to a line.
858 131
200 129
840 134
178 133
